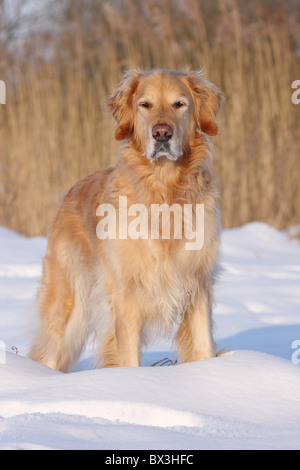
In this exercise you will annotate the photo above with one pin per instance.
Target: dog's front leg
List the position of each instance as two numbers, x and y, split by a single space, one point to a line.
194 336
128 332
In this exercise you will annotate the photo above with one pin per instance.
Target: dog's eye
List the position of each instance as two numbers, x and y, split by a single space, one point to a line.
145 104
179 104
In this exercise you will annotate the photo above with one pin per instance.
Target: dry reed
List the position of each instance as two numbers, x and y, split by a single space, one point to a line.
55 128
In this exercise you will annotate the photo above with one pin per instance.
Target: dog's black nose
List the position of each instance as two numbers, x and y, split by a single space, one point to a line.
162 132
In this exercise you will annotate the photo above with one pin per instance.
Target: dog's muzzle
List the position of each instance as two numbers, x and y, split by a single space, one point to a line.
162 134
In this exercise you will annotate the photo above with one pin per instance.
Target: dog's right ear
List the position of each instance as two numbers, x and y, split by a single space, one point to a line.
120 104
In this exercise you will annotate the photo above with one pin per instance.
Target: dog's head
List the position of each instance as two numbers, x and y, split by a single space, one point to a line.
162 110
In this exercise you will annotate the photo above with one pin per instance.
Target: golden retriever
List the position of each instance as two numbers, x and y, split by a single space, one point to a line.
127 289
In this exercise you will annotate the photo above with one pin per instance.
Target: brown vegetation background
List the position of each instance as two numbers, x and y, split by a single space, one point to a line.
55 127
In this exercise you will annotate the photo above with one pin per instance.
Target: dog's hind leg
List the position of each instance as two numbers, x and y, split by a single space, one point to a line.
63 329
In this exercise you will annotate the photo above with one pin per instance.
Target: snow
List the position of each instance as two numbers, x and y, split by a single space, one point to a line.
247 399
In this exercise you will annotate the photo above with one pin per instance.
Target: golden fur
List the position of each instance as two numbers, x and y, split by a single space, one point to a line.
125 291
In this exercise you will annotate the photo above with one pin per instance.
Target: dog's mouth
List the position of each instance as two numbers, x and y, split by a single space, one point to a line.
163 149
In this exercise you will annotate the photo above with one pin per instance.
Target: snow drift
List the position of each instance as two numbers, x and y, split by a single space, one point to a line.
247 399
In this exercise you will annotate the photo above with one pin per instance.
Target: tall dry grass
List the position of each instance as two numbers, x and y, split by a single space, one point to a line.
55 127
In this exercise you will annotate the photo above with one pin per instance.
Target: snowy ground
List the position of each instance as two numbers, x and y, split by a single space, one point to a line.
249 399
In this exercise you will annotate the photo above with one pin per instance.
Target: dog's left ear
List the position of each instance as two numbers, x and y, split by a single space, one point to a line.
120 104
208 99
